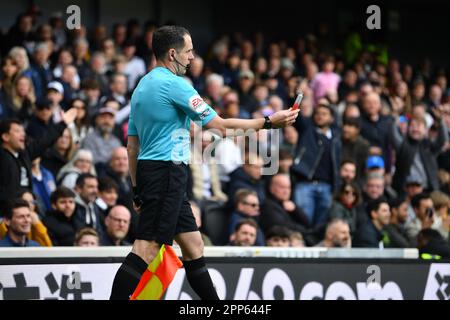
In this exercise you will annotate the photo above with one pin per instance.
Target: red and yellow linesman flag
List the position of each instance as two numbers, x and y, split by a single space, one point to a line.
158 276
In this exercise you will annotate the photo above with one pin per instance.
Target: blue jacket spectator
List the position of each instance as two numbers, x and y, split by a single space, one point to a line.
316 164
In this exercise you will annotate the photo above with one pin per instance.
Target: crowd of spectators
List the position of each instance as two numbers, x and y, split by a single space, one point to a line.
367 163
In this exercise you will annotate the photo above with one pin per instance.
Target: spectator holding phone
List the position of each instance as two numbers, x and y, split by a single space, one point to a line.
425 218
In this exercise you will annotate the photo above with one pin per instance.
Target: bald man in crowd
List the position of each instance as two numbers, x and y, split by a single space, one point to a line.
117 224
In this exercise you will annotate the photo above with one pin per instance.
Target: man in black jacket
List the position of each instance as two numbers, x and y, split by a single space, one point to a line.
372 234
375 126
87 212
247 177
279 210
316 164
60 222
16 155
354 146
41 121
416 154
118 170
431 242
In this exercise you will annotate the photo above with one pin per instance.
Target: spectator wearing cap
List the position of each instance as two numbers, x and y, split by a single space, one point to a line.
41 121
325 81
135 66
245 86
416 153
55 94
375 164
354 146
373 189
101 140
316 164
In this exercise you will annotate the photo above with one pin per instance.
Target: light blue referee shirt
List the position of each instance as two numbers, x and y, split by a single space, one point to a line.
162 107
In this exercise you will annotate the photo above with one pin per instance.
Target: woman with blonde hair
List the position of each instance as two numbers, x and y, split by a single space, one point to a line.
81 163
23 98
10 72
20 57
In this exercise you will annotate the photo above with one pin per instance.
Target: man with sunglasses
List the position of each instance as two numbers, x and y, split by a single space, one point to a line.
247 207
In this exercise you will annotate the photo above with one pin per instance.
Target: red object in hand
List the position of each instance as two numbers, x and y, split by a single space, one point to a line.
298 101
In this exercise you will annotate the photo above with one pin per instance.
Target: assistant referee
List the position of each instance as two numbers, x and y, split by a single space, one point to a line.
162 107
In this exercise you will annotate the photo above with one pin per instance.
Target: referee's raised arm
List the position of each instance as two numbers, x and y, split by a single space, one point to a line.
279 119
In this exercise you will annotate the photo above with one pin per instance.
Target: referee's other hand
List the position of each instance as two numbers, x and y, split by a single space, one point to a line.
284 118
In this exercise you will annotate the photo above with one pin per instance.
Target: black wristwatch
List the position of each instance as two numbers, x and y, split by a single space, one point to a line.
267 123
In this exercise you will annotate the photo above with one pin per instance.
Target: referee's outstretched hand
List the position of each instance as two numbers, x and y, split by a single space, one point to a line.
284 118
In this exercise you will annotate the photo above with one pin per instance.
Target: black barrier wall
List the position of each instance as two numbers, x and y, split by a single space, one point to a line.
239 279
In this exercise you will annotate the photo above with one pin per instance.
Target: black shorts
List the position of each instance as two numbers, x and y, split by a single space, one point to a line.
165 211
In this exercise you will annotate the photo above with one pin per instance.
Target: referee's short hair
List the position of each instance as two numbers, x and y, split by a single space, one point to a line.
168 37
